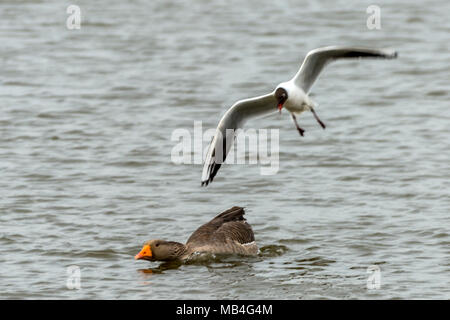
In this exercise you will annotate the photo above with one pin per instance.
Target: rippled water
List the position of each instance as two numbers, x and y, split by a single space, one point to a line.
85 142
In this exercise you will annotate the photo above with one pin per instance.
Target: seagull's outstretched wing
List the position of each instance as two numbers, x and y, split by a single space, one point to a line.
232 120
318 58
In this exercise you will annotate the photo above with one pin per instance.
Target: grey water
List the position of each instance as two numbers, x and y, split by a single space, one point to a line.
86 175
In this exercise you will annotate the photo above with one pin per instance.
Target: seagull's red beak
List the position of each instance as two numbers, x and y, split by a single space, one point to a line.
281 96
280 106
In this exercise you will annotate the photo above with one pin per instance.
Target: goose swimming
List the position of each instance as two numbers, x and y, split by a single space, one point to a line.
227 233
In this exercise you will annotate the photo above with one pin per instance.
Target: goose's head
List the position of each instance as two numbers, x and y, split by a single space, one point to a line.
160 250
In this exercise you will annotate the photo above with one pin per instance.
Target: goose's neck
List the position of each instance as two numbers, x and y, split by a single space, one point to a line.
179 250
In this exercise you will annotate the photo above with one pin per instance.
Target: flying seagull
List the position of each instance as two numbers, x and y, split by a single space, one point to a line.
292 95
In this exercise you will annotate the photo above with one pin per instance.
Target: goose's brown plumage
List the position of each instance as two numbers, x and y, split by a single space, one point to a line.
227 233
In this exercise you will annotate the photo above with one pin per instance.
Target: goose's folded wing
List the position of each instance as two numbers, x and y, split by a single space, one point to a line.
228 226
318 58
206 231
237 231
225 134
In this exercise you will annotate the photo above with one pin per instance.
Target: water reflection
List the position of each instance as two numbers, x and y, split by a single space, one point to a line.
161 268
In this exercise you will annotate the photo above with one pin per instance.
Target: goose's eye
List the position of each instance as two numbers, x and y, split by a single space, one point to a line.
157 245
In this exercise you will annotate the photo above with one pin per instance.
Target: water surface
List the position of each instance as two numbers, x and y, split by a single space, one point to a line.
85 143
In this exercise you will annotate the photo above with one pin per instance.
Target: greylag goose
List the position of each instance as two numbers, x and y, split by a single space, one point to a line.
227 233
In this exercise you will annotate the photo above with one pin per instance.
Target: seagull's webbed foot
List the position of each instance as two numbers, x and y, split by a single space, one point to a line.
317 118
300 130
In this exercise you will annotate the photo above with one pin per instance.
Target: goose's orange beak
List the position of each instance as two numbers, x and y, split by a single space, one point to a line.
145 252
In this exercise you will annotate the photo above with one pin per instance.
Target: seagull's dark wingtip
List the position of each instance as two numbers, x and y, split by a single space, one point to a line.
206 182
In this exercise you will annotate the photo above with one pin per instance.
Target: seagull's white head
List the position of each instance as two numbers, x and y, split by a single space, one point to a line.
281 95
290 96
296 101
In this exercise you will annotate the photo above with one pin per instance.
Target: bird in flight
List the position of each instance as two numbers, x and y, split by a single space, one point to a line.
291 95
